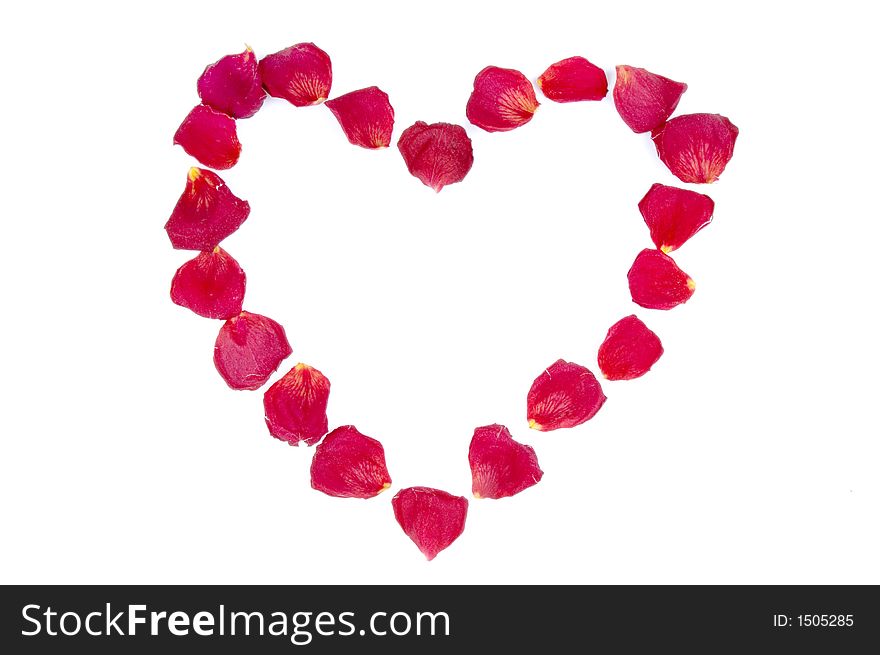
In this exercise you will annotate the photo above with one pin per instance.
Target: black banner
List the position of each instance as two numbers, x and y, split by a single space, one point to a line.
343 619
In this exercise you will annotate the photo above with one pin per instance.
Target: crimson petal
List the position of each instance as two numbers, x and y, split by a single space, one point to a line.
296 406
209 136
248 349
500 466
348 464
432 518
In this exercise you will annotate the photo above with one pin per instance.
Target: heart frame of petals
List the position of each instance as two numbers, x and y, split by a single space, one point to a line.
427 267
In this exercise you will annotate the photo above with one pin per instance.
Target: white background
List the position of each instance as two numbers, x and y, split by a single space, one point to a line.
749 454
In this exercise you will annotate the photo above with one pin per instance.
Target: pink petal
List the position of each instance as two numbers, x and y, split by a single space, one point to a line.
433 519
437 154
696 147
212 285
248 349
209 136
206 213
572 80
232 85
656 281
348 464
674 215
296 406
500 466
366 117
629 351
643 99
563 396
301 74
502 99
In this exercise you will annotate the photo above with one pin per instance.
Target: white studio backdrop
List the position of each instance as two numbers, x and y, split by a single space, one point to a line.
749 453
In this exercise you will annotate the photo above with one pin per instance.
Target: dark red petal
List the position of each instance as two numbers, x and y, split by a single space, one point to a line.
232 85
500 466
674 215
573 79
629 351
643 99
206 213
296 406
366 117
212 285
437 154
563 396
301 74
696 147
209 136
248 349
656 281
433 519
348 464
502 99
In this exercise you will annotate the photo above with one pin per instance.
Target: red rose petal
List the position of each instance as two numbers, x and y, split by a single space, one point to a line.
433 519
629 351
206 213
248 349
437 154
563 396
674 215
656 281
348 464
502 100
572 80
366 117
500 466
232 85
696 147
301 74
209 136
296 406
643 99
212 285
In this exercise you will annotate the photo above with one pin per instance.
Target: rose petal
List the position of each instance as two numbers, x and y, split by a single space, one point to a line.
437 154
502 100
348 464
248 349
500 466
209 136
232 85
696 147
572 80
296 406
643 99
563 396
301 74
656 281
206 213
629 351
366 117
674 215
433 519
212 285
